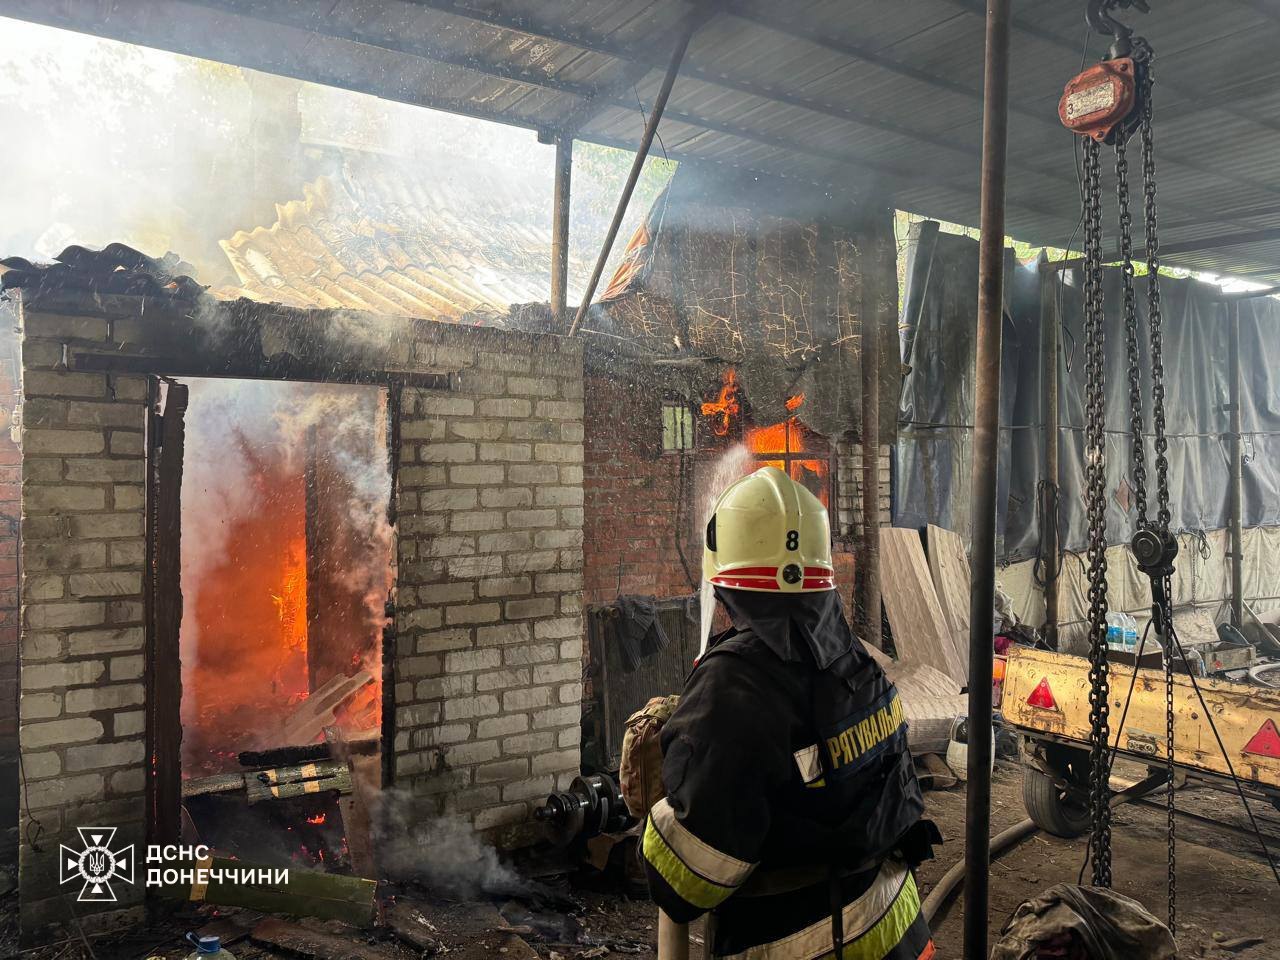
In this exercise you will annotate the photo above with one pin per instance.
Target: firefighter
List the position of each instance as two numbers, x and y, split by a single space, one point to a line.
792 811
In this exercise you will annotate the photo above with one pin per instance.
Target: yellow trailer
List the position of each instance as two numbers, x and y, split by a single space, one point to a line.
1046 697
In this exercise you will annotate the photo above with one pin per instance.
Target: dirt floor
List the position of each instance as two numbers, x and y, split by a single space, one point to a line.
1225 892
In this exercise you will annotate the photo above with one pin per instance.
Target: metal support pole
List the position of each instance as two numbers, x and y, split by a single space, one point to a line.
673 938
869 562
995 124
642 152
1237 464
560 230
1050 329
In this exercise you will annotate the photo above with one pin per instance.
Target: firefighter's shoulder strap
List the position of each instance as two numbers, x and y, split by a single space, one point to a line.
640 774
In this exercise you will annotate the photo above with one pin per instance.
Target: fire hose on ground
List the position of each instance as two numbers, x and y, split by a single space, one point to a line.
946 887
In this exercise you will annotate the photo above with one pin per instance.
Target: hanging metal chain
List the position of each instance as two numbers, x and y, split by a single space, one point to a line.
1163 515
1095 499
1129 298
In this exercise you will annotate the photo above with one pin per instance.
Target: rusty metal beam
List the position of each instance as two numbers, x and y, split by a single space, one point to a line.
650 130
560 230
1236 485
986 446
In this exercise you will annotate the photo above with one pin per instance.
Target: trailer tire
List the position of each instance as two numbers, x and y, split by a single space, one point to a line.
1049 808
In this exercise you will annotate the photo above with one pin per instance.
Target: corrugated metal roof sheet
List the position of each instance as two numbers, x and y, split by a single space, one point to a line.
382 239
856 95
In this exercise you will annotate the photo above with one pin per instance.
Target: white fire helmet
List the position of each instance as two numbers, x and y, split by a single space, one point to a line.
769 534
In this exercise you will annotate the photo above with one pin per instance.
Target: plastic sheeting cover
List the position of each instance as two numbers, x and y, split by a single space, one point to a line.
936 409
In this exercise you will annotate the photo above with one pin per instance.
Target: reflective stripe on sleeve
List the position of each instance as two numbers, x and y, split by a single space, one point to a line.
696 871
809 764
875 924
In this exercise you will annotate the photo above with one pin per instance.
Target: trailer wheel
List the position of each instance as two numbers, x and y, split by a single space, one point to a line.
1052 810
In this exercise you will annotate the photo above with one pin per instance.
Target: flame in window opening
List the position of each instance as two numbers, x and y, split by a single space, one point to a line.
725 407
785 440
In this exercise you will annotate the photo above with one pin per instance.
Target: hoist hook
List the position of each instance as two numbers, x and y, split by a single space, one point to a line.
1100 19
1098 14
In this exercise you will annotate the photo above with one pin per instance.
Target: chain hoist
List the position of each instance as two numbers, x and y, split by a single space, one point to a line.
1107 104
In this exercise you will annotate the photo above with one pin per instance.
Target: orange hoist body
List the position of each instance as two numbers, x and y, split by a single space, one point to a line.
1097 101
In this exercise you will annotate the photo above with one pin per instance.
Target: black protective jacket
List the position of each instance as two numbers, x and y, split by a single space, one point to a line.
791 794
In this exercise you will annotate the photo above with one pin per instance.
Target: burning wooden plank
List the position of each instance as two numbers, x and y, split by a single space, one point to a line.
285 782
218 783
320 709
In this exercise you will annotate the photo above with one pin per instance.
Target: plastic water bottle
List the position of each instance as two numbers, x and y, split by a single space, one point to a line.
208 948
1130 634
1115 630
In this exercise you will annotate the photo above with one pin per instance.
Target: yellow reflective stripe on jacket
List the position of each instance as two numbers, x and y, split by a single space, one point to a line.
885 935
874 924
700 857
668 855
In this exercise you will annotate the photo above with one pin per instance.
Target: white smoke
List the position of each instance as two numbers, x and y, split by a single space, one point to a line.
227 417
443 852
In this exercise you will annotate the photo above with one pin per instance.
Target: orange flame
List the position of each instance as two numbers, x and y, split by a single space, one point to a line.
725 407
789 437
291 608
794 403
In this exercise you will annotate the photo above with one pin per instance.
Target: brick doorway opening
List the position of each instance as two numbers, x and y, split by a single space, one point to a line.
272 551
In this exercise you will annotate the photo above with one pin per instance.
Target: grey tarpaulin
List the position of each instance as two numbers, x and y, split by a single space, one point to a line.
1107 925
936 412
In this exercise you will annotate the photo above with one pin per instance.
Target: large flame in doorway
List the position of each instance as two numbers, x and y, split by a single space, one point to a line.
286 566
250 622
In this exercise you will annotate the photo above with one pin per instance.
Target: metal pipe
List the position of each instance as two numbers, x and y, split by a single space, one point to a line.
673 938
1237 464
869 562
642 152
560 230
1050 546
986 435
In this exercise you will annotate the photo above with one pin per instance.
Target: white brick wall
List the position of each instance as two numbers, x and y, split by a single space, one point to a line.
849 489
81 643
489 631
489 626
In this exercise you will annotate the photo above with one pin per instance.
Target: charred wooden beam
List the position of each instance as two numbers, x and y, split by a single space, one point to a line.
283 368
285 783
